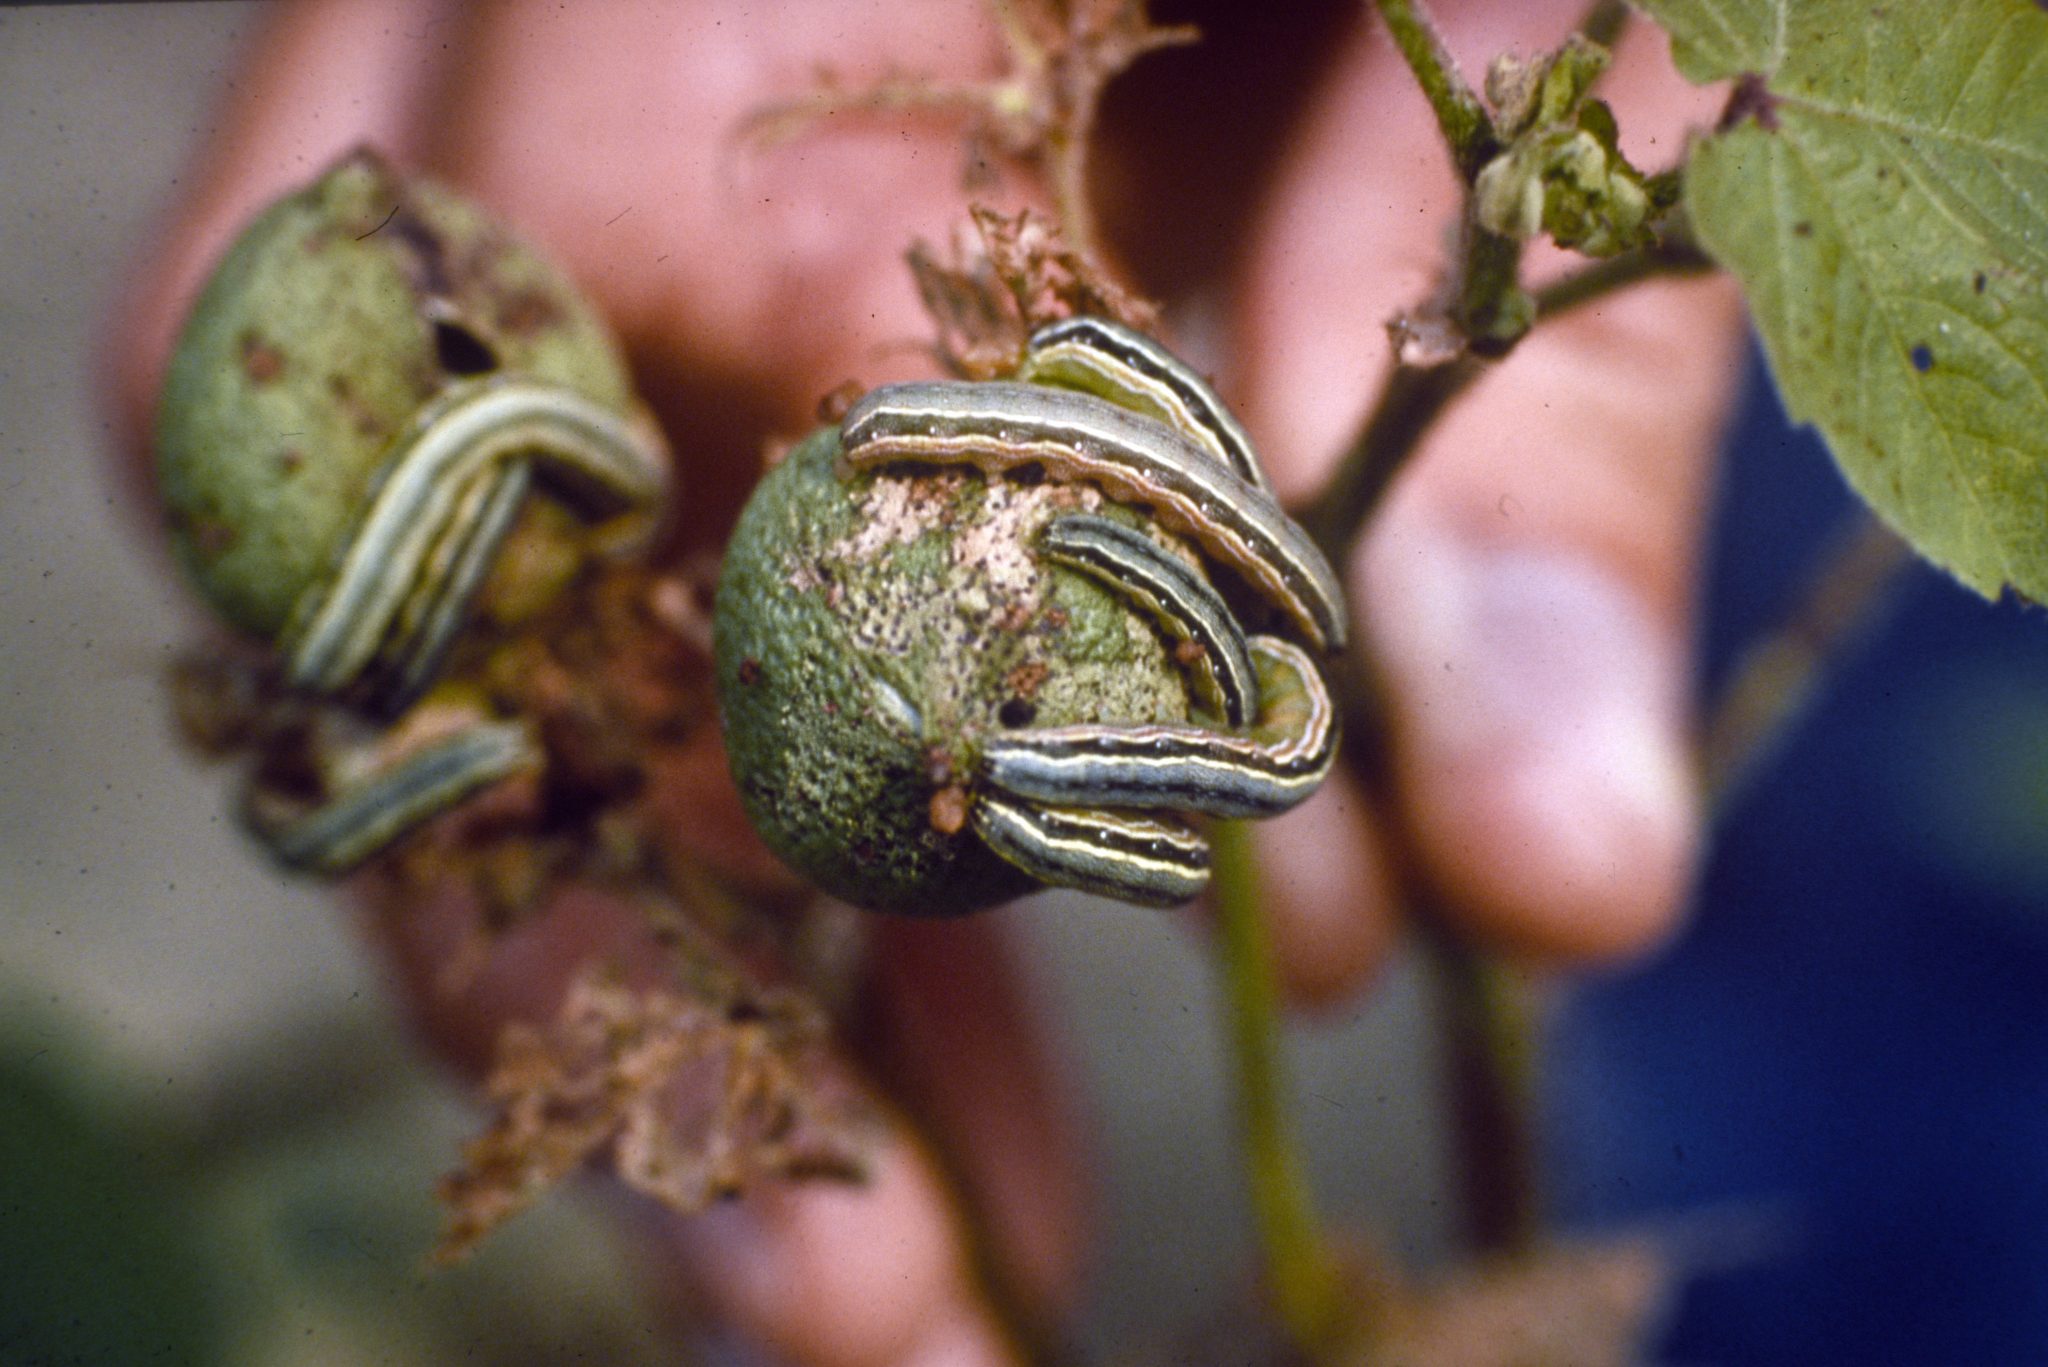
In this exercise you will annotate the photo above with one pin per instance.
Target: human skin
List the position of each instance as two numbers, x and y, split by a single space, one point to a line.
1524 593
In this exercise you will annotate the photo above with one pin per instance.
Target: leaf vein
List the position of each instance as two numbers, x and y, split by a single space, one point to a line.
1853 112
1736 46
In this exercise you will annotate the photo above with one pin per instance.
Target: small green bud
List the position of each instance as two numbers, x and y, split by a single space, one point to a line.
1570 181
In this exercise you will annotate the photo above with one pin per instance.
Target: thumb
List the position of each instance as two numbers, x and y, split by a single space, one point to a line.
1526 589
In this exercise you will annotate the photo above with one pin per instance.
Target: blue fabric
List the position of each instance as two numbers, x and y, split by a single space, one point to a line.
1832 1092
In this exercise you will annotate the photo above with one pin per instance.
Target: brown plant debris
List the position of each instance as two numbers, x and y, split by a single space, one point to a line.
1040 111
991 295
689 1090
687 1097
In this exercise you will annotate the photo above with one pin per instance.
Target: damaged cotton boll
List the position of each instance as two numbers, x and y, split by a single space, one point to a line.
388 425
873 631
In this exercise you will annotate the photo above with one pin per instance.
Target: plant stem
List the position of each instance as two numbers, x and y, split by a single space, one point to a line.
1487 302
1409 402
1302 1275
1414 396
1604 21
1066 165
1674 255
1463 119
1778 673
1489 1041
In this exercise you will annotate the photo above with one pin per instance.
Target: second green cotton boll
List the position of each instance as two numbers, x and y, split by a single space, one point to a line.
335 316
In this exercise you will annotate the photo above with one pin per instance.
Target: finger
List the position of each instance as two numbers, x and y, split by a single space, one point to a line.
320 78
885 1259
936 1305
822 1274
1525 592
748 280
953 1033
1322 878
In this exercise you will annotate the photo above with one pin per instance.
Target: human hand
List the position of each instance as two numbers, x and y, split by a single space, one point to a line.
1525 594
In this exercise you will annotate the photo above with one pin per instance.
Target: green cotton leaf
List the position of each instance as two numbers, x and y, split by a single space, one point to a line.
1882 194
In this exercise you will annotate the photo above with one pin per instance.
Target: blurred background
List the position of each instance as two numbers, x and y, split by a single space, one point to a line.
1831 1093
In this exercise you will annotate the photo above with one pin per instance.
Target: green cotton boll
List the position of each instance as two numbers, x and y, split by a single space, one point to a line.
872 629
341 310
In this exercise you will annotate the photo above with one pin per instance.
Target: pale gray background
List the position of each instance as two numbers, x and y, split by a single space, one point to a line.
136 923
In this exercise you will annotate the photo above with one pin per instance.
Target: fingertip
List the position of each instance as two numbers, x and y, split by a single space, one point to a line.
1582 857
841 1276
1324 887
317 80
954 1033
1540 748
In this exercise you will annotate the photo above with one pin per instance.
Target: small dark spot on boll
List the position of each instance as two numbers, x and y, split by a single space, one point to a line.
750 672
211 537
1017 712
1923 358
261 361
460 351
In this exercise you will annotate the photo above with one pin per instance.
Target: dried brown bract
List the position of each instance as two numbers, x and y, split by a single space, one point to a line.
688 1097
1059 55
1021 274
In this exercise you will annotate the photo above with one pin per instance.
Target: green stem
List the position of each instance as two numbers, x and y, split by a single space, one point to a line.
1675 255
1409 402
1488 305
1604 21
1304 1279
1463 119
1414 396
